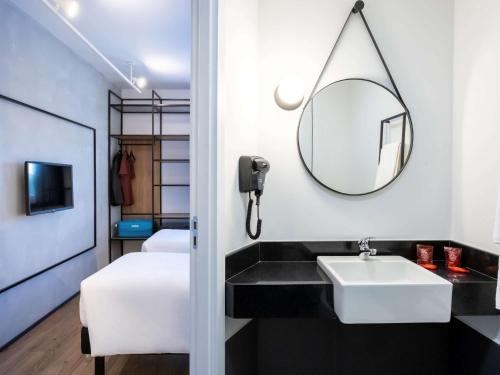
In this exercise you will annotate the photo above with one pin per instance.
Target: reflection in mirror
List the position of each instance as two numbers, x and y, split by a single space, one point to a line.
355 136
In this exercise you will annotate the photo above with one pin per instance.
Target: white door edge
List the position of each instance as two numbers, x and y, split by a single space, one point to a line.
207 261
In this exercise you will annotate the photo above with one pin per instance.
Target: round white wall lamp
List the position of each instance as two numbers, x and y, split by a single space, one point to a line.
289 93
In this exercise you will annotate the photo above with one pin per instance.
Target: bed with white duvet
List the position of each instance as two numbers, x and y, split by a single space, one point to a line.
168 240
139 304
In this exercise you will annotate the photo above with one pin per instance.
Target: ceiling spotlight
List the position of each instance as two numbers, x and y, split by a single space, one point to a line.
141 82
71 8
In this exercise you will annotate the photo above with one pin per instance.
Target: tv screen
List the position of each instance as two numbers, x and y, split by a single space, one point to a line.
49 187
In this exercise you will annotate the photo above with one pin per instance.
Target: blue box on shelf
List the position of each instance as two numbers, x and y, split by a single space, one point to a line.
134 228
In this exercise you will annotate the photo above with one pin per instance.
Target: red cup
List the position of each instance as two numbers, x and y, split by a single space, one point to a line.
425 254
453 256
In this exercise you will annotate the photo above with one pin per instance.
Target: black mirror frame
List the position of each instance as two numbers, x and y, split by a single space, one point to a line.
409 151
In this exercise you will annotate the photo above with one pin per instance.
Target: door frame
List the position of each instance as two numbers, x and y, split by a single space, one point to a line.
207 259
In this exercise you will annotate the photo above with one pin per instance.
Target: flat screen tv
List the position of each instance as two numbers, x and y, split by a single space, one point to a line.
49 187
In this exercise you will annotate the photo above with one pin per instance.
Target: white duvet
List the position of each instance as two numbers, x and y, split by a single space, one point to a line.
168 240
138 304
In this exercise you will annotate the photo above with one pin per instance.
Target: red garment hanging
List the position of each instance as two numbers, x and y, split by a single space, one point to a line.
131 162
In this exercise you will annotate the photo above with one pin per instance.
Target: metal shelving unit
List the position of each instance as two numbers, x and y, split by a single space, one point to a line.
156 106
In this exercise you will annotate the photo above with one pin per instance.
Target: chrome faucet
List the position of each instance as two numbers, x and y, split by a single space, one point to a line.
364 248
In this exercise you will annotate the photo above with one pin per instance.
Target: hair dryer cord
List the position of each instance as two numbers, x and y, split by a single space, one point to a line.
249 218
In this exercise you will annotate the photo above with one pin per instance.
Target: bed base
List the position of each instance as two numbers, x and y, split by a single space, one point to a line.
99 366
99 362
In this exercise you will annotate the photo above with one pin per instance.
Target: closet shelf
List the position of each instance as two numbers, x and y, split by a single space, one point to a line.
172 137
148 137
171 185
117 238
149 108
158 215
172 160
172 216
137 214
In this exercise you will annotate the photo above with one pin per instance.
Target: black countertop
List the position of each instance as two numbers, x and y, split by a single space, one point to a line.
280 289
282 273
473 293
286 289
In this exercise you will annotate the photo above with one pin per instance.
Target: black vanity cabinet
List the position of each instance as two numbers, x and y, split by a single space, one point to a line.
324 346
294 329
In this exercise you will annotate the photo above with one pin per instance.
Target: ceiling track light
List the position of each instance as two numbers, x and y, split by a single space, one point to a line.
140 82
56 12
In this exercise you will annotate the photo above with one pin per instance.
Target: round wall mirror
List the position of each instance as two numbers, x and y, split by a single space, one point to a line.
355 136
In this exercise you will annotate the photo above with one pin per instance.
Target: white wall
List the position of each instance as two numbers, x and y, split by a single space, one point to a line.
476 134
476 130
416 38
238 114
264 41
238 108
37 69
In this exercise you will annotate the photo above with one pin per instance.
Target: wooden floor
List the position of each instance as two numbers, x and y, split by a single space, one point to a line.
53 348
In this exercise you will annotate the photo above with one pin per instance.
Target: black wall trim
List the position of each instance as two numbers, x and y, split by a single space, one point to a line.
73 122
45 112
44 270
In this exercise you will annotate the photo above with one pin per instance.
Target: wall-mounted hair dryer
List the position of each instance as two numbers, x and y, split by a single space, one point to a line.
252 175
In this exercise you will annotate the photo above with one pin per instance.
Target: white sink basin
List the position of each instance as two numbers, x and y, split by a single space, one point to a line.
386 289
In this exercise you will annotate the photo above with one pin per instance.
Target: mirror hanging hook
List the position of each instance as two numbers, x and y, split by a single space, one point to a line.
358 6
